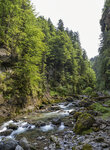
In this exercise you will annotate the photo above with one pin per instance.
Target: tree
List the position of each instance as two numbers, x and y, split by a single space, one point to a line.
60 25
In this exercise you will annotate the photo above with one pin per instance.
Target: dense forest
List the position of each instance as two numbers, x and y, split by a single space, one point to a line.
37 58
101 63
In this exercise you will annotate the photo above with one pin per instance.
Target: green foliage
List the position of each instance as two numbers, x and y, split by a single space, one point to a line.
2 83
105 111
43 58
88 91
101 63
99 108
108 103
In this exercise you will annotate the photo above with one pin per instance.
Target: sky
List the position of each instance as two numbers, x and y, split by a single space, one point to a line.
78 15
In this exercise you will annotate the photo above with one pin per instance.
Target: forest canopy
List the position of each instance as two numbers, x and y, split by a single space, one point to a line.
37 57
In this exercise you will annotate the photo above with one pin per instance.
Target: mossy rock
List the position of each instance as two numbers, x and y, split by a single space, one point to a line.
84 122
76 115
87 147
87 131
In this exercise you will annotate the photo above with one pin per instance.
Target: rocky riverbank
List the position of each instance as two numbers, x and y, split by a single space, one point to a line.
76 124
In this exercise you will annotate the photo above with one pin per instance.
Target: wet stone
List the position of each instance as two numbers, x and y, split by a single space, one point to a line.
56 121
24 144
9 144
18 147
6 133
40 124
12 126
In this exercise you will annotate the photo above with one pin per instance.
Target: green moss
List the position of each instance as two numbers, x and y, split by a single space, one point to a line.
73 148
84 123
105 111
95 129
87 131
108 103
87 147
76 115
99 108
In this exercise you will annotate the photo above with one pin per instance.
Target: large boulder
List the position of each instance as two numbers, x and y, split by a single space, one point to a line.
8 144
84 122
24 144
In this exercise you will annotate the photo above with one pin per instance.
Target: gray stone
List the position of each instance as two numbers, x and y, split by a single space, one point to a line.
56 121
103 126
105 145
18 147
1 146
24 144
54 139
40 124
9 144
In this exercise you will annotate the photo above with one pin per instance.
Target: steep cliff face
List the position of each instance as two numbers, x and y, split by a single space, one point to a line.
101 63
104 51
105 21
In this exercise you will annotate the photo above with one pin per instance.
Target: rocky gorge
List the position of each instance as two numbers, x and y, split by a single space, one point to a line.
73 124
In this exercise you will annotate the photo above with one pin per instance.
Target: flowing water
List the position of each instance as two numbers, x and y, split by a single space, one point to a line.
23 126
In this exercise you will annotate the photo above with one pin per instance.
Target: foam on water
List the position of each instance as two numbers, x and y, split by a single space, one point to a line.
22 127
4 126
63 106
64 110
47 128
61 127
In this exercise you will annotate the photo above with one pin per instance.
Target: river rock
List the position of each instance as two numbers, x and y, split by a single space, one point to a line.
8 144
69 99
54 108
18 147
54 139
24 144
1 146
6 133
56 121
12 126
40 124
84 122
102 126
